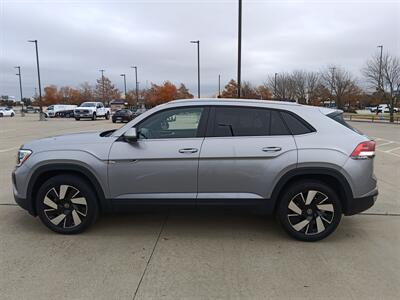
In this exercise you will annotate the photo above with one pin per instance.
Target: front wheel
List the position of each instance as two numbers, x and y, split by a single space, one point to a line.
77 119
94 116
12 115
309 210
67 204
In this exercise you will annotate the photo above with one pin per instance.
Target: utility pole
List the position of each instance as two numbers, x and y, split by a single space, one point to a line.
102 84
239 66
198 66
20 90
136 85
41 116
276 74
124 75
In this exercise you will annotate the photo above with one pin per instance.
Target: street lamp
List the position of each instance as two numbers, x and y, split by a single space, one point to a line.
124 75
102 84
380 83
41 116
198 66
20 90
239 67
136 85
219 85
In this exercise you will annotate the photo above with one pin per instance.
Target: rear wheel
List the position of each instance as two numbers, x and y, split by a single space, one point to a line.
67 204
107 116
309 210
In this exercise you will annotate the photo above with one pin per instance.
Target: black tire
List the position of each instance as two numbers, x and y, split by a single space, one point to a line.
67 116
94 116
67 204
1 115
309 210
77 119
114 121
107 116
12 115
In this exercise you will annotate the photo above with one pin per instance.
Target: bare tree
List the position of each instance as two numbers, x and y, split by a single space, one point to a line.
285 87
384 77
340 82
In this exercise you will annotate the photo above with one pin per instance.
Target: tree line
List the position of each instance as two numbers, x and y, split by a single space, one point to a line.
332 84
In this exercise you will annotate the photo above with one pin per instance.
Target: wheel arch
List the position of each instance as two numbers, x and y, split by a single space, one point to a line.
331 177
45 172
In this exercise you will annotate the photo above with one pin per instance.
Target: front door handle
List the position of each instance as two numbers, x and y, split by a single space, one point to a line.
188 150
271 149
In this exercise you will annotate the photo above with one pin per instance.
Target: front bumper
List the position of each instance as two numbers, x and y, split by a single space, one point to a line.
357 205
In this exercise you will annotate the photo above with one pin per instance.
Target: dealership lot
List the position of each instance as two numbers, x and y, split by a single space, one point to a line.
197 253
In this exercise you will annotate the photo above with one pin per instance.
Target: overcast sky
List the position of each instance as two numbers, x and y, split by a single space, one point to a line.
77 38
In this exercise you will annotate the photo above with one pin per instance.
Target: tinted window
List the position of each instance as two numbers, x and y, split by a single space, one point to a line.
295 125
338 117
241 121
172 123
277 125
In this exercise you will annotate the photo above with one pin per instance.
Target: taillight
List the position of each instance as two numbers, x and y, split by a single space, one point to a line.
364 150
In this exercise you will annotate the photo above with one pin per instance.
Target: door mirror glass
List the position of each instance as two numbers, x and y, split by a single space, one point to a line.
131 135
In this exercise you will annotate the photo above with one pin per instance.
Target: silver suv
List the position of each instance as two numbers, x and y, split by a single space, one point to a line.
302 163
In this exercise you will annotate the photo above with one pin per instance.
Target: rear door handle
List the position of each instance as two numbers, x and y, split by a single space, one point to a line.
271 149
188 150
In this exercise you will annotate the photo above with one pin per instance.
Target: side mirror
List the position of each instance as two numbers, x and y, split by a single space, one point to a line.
131 135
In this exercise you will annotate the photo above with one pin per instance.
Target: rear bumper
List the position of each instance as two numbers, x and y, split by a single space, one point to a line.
357 205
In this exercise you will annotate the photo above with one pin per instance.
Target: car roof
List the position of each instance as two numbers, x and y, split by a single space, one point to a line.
211 101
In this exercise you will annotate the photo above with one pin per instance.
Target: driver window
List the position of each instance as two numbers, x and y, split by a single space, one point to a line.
172 123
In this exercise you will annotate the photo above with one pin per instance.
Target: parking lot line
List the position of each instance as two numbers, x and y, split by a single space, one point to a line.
8 149
390 150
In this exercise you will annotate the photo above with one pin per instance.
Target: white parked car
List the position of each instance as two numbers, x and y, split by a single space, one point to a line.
6 112
52 110
91 110
385 108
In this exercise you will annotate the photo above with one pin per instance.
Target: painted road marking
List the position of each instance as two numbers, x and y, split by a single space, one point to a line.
8 149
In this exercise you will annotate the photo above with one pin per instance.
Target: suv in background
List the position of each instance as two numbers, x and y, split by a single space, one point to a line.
91 110
302 163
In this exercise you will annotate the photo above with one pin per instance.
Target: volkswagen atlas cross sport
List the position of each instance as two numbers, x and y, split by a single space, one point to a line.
302 163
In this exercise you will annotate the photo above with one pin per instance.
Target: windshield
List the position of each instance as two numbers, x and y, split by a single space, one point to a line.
88 104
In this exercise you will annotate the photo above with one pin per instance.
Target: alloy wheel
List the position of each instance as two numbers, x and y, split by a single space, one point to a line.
310 212
65 206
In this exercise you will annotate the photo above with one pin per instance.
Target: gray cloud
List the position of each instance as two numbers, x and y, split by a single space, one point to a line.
78 38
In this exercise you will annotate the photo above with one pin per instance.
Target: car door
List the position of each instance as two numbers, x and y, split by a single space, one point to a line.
163 163
245 151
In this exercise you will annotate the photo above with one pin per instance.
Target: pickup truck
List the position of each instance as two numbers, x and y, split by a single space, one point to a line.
91 110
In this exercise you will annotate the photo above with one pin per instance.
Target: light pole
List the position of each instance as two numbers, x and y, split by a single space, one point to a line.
333 83
380 86
102 84
41 117
136 85
239 66
198 66
124 75
276 74
219 85
20 90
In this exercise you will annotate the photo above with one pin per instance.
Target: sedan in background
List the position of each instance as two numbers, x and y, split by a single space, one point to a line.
6 112
123 115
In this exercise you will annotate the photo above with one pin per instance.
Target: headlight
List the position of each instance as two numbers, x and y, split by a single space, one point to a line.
23 155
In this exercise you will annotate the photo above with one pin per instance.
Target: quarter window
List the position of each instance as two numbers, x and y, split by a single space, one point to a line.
295 125
172 123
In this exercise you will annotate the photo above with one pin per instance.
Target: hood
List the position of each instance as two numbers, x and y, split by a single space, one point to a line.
85 141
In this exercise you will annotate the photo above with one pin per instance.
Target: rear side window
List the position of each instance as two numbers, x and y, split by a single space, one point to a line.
295 124
338 117
277 125
241 121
